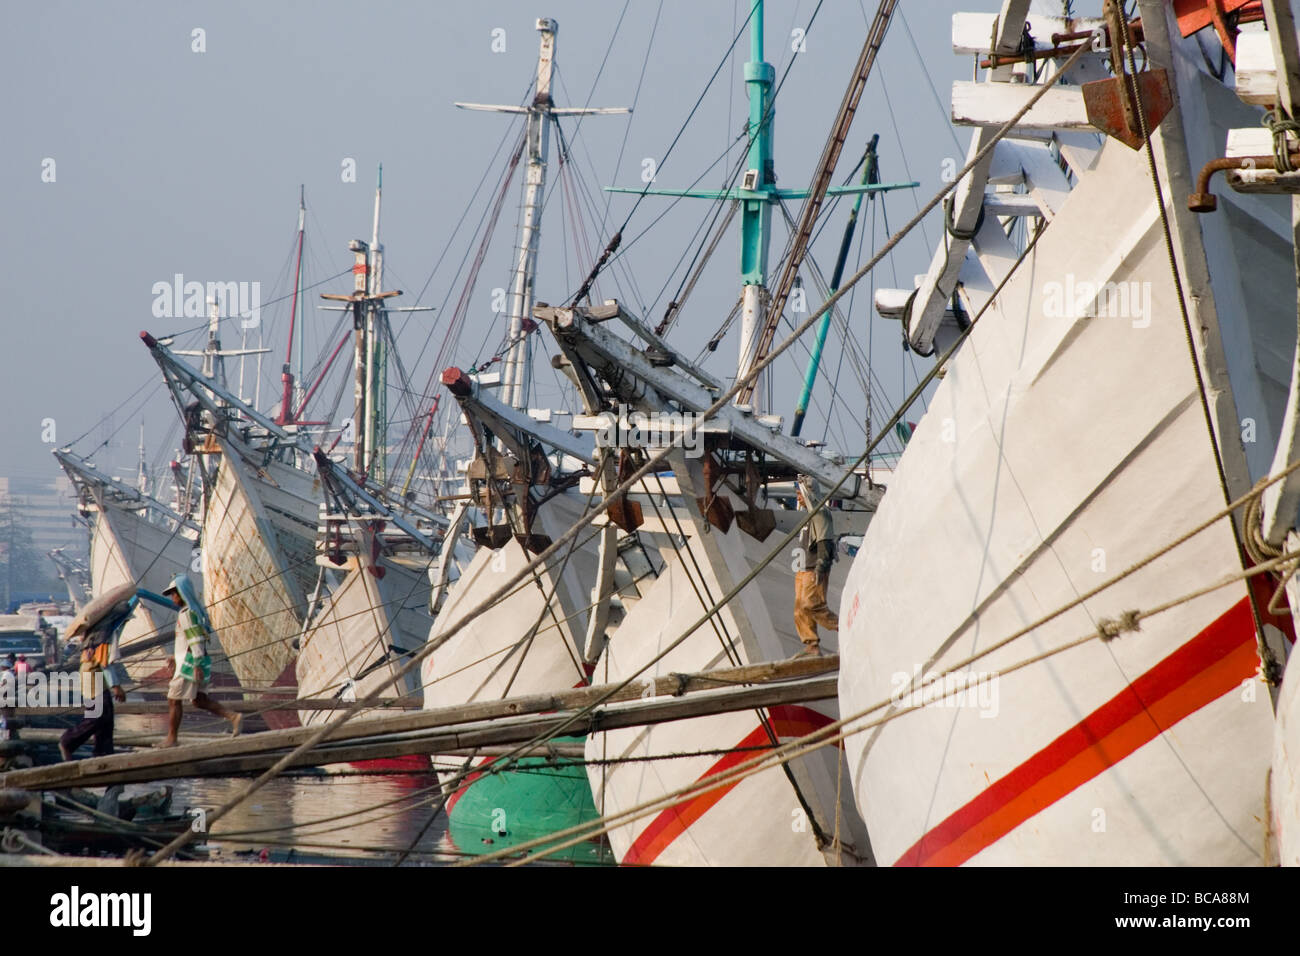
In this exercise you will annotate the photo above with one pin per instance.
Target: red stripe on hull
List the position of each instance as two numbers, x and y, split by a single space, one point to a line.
787 721
415 763
464 785
1213 663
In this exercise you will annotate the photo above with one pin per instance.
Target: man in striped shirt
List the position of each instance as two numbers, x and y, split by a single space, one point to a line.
190 665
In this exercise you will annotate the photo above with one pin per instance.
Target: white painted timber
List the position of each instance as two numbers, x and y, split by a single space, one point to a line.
1284 781
1043 177
1012 204
992 104
1250 141
1256 71
258 563
1079 149
934 292
491 656
127 548
972 32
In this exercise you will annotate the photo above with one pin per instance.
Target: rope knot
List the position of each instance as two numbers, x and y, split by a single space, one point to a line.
1279 125
1110 628
1258 548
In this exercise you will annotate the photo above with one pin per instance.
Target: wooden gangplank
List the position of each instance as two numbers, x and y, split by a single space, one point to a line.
461 728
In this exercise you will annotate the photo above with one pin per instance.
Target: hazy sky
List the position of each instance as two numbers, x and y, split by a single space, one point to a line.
167 160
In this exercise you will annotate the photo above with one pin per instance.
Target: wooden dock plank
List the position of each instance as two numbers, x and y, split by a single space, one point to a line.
488 723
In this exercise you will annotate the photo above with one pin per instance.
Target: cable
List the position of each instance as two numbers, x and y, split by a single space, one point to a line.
640 472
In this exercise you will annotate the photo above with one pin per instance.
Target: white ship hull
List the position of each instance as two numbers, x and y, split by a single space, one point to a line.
258 561
1058 451
765 819
358 641
485 660
126 548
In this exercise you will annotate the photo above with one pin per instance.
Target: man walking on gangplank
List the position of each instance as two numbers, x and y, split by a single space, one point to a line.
190 665
818 544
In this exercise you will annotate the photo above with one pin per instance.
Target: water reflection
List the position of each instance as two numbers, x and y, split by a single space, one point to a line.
311 816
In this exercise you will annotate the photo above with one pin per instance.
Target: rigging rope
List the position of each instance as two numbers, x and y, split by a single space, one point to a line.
1272 668
651 463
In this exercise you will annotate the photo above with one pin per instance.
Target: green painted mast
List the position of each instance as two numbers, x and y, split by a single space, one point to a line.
757 193
870 174
756 214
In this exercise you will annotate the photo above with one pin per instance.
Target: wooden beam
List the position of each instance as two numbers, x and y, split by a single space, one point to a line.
241 706
1256 71
1280 16
42 860
1011 204
934 293
1043 177
992 104
471 737
254 751
972 32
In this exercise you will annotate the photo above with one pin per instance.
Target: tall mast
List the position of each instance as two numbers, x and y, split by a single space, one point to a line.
518 362
287 378
214 357
519 359
214 365
758 191
376 384
368 321
142 473
757 194
361 287
299 386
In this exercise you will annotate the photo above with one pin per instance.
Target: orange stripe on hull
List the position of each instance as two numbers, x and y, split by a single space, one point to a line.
1212 664
787 721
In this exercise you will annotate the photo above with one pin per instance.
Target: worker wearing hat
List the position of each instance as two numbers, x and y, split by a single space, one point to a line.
817 544
190 666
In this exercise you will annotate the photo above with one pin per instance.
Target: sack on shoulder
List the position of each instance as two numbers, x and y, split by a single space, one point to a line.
96 658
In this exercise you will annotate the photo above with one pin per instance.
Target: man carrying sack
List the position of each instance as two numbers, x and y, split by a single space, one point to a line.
102 673
190 665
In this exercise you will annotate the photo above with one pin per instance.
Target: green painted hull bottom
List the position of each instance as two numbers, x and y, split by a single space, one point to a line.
535 798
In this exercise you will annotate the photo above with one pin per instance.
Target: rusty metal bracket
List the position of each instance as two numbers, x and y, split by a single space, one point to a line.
1112 104
622 512
1111 109
1205 201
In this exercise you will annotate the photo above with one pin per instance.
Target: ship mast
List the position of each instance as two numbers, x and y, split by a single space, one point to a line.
518 365
757 193
376 367
369 318
214 356
290 394
214 363
142 473
870 174
517 377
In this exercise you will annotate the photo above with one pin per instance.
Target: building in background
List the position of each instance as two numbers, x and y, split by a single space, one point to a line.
46 508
